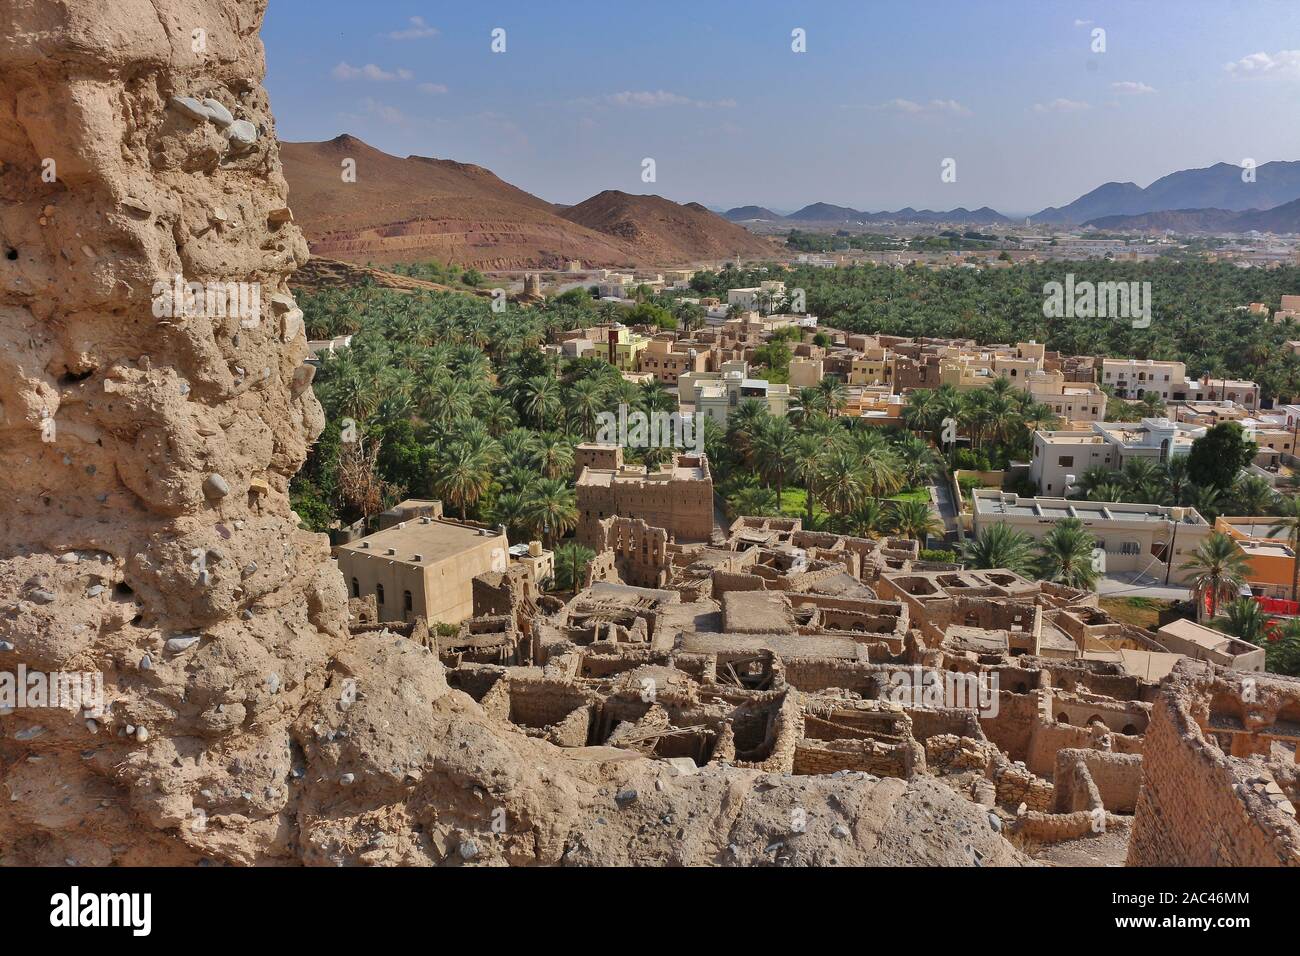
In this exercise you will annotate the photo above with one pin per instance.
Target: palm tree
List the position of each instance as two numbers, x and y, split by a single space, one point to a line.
583 403
743 424
755 500
1066 555
540 396
919 412
842 481
553 455
461 473
1110 491
1218 572
571 561
999 546
1243 618
497 414
508 510
834 393
1094 477
1288 526
916 458
1175 478
1206 499
551 509
915 520
773 447
882 475
1139 472
810 455
870 519
1253 495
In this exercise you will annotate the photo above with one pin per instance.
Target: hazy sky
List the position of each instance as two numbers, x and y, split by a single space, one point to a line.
712 91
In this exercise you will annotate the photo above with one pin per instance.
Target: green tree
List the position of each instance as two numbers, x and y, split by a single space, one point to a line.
1243 618
1066 555
1218 572
999 546
1219 455
571 562
915 520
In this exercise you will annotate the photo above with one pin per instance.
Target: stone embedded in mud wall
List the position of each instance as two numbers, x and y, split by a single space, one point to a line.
148 429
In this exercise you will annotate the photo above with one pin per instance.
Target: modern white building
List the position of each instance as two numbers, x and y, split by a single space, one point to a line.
1060 454
716 395
1130 536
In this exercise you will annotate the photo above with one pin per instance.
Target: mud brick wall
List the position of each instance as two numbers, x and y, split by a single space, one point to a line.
1047 738
869 756
1196 807
1013 725
812 674
1115 778
1016 785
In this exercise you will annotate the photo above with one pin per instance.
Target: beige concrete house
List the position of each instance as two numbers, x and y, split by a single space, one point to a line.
422 568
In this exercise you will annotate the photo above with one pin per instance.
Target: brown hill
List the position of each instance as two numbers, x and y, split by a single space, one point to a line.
403 210
662 231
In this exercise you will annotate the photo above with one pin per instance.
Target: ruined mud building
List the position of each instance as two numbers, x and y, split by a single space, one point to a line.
809 653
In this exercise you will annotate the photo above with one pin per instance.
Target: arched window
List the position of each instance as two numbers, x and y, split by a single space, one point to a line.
406 600
379 593
356 588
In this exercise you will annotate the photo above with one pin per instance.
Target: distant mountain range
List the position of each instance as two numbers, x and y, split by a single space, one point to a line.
1191 200
1217 187
825 213
1279 219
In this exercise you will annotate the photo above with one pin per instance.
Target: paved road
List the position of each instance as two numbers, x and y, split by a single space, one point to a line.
947 507
1131 584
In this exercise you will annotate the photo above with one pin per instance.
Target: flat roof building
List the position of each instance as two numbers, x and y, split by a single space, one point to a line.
1132 536
677 498
422 568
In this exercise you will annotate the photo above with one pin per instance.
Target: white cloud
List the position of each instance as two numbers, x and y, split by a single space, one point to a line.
1281 63
418 30
951 107
1131 86
433 89
345 71
654 99
1083 23
1061 105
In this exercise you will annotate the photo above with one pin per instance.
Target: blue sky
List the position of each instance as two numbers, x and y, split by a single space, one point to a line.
712 91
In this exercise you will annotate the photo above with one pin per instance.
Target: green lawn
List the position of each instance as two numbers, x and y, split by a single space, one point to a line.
912 494
794 501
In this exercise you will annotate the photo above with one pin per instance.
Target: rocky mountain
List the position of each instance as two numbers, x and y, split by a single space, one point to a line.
748 213
827 213
400 210
662 231
1280 219
1213 187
